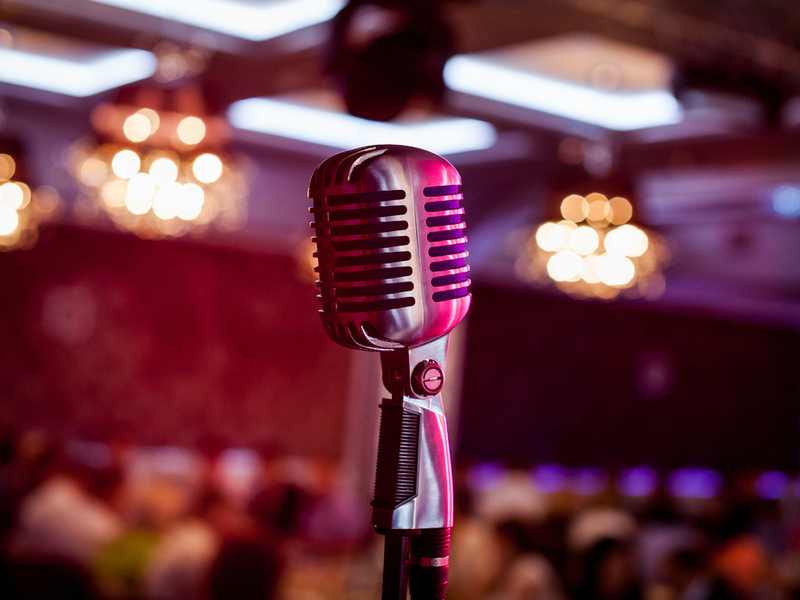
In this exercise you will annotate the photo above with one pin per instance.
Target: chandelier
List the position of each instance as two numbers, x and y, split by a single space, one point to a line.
595 251
157 172
22 211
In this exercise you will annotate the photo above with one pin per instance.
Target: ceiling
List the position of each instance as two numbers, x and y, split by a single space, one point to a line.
705 183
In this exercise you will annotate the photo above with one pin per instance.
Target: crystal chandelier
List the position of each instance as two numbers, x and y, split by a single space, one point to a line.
594 251
157 172
22 211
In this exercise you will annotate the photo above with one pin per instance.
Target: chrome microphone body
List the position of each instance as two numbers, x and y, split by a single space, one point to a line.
393 277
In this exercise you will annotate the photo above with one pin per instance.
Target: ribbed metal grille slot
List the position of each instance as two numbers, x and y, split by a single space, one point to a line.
355 245
398 450
446 220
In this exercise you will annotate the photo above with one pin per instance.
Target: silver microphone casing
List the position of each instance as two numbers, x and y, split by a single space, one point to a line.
390 247
393 277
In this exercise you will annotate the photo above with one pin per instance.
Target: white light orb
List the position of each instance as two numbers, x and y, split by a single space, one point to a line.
191 131
138 205
114 193
207 168
125 164
167 200
142 186
624 241
151 116
9 220
93 171
564 266
589 269
137 127
584 240
550 237
164 171
615 270
11 195
191 201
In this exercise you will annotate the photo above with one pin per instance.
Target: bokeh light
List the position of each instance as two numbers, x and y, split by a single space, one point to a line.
9 219
191 131
11 195
584 240
125 164
599 258
164 171
166 201
565 266
7 166
621 210
626 241
137 127
191 202
150 179
551 237
575 208
207 168
786 201
94 172
613 270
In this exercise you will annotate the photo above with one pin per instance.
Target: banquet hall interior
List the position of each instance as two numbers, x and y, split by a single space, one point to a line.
622 399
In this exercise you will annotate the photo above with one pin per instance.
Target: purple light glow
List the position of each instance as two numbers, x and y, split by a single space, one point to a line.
694 483
771 485
483 477
549 479
637 482
588 481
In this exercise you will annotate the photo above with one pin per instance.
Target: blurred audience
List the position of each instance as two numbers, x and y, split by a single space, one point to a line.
102 521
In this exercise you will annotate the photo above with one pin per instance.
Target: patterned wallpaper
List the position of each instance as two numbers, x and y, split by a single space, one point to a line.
170 342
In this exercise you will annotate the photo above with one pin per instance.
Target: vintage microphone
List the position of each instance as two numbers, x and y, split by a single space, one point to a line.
393 278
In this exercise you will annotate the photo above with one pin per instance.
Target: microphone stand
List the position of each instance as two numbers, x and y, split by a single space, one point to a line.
413 502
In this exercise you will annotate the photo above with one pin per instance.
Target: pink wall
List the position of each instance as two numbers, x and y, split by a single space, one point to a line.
173 342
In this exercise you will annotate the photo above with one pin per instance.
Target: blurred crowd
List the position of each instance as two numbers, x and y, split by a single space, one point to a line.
85 520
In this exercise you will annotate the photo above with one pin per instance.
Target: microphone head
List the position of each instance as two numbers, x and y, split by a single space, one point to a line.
389 232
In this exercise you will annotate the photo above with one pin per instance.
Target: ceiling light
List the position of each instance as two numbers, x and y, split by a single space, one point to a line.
613 110
74 77
339 130
252 21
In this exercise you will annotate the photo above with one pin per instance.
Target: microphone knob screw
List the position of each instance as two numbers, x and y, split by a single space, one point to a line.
427 378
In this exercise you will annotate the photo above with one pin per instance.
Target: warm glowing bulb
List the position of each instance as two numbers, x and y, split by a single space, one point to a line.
615 270
114 193
621 210
125 164
165 204
141 187
93 171
9 219
625 241
207 168
584 240
151 116
137 127
164 171
138 205
550 237
191 201
11 196
644 242
589 269
575 208
191 130
564 266
7 166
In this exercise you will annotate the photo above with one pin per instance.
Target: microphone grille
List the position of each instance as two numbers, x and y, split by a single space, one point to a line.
447 251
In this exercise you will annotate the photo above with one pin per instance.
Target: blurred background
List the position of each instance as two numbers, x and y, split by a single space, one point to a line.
623 398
